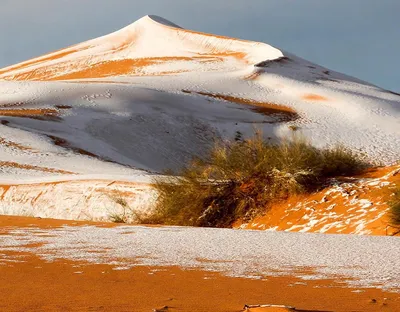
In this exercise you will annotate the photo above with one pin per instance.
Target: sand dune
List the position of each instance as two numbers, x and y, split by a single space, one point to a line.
85 130
153 95
129 51
353 206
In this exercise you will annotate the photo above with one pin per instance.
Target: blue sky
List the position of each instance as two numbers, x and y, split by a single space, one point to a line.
357 37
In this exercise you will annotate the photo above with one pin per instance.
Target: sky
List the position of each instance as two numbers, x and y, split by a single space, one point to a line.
357 37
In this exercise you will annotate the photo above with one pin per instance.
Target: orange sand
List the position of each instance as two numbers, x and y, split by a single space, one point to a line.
31 113
47 57
253 76
42 223
110 68
31 167
116 67
289 213
314 97
12 144
265 108
39 286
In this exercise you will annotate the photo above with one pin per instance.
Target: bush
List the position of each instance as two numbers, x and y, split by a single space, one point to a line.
395 209
117 218
243 178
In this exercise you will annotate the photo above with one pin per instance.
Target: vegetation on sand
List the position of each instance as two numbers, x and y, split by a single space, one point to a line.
395 209
241 179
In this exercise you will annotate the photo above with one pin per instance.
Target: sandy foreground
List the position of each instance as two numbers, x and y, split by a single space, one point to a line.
36 274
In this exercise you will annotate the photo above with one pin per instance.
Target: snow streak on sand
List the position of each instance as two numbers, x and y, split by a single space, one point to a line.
147 42
352 206
153 95
360 261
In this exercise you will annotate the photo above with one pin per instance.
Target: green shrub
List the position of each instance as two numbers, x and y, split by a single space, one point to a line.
243 178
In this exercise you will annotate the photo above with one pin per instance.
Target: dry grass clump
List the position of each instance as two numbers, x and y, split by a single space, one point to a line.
395 209
242 178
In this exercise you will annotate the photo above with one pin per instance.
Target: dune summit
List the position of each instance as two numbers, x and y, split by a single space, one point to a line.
115 110
149 41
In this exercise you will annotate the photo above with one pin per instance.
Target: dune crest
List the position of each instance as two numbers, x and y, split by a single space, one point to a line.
128 51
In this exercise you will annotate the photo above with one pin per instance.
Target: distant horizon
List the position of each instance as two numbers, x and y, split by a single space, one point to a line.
354 38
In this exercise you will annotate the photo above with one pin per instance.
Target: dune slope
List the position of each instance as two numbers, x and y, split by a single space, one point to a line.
152 95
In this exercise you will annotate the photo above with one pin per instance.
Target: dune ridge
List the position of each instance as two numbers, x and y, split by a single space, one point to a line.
128 51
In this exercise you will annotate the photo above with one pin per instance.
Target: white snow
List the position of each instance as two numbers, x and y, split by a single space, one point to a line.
361 261
142 119
89 200
145 38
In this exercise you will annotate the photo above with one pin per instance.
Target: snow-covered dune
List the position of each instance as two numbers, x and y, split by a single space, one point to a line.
136 48
152 95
